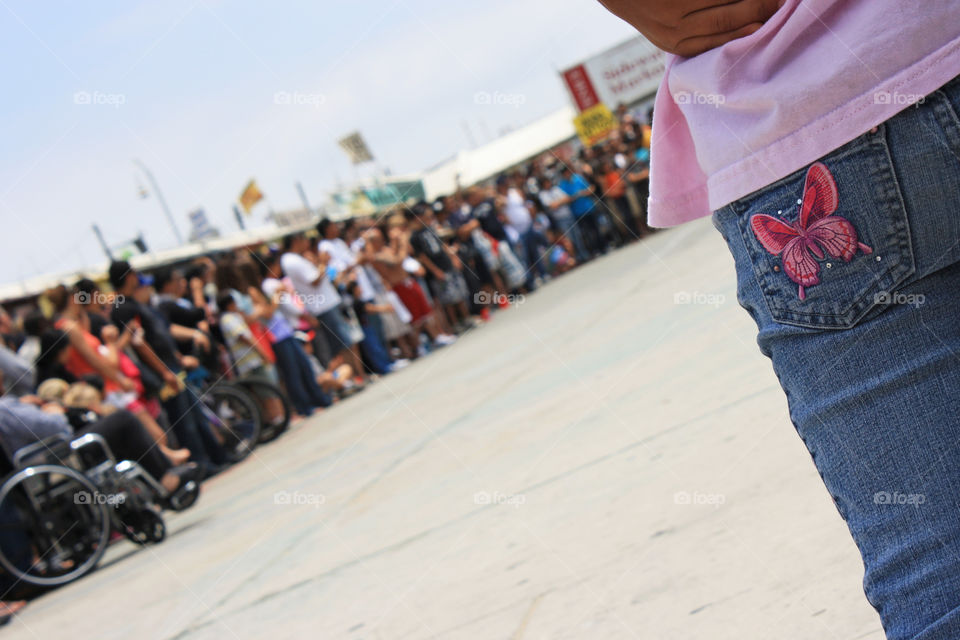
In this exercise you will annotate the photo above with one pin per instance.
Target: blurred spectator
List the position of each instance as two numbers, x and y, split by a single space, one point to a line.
157 350
443 267
310 273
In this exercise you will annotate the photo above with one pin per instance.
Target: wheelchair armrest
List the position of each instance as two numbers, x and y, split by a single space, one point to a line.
90 440
52 445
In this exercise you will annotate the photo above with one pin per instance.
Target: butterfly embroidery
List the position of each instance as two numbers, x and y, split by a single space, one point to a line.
816 233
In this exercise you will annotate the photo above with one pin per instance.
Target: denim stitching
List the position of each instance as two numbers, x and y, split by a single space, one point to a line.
890 234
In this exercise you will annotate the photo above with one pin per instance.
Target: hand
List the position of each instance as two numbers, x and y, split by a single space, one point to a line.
109 334
189 362
126 383
690 27
31 399
53 408
201 340
170 379
196 284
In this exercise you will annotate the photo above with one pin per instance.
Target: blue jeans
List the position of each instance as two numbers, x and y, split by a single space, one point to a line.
375 355
297 376
567 226
528 250
868 355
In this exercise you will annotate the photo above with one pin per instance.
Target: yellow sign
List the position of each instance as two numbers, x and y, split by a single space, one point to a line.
595 124
251 195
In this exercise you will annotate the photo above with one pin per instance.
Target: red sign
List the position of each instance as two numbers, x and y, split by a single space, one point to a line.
581 88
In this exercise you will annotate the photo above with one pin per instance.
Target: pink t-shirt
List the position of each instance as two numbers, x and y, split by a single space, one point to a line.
818 74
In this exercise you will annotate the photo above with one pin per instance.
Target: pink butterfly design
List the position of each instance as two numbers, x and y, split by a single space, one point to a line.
814 235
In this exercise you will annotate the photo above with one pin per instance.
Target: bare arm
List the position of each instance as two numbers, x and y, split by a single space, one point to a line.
195 336
690 27
153 361
107 369
196 292
388 257
268 307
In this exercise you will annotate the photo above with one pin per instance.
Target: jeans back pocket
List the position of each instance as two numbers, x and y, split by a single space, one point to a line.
829 242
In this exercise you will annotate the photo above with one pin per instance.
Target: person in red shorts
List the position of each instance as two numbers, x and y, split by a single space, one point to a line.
388 260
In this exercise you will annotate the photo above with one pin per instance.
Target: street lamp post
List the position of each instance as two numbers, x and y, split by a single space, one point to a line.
163 203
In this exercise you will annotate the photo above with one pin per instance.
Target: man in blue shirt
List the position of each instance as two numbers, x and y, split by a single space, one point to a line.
584 208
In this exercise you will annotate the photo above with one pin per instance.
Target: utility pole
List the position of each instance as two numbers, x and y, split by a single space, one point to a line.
303 197
103 243
238 216
160 199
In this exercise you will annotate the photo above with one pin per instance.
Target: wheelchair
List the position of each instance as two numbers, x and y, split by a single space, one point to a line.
61 500
233 416
257 390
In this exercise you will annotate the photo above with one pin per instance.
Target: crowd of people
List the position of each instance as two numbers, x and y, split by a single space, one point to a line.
321 314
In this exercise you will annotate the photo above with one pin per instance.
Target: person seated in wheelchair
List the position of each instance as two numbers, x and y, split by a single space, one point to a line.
28 420
52 373
48 539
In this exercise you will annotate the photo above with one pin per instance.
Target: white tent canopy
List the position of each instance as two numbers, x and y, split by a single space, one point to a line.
36 285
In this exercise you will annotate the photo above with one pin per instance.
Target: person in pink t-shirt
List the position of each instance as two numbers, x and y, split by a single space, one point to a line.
823 136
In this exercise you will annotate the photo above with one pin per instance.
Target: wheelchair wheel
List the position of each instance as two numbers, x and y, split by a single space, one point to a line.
260 390
235 417
142 526
54 525
186 496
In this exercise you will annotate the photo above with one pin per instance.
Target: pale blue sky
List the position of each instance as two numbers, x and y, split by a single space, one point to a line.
189 86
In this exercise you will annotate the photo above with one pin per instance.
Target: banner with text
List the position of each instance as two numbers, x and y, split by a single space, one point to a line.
595 124
627 73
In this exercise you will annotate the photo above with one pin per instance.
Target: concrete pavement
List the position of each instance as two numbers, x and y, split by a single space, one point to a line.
611 458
